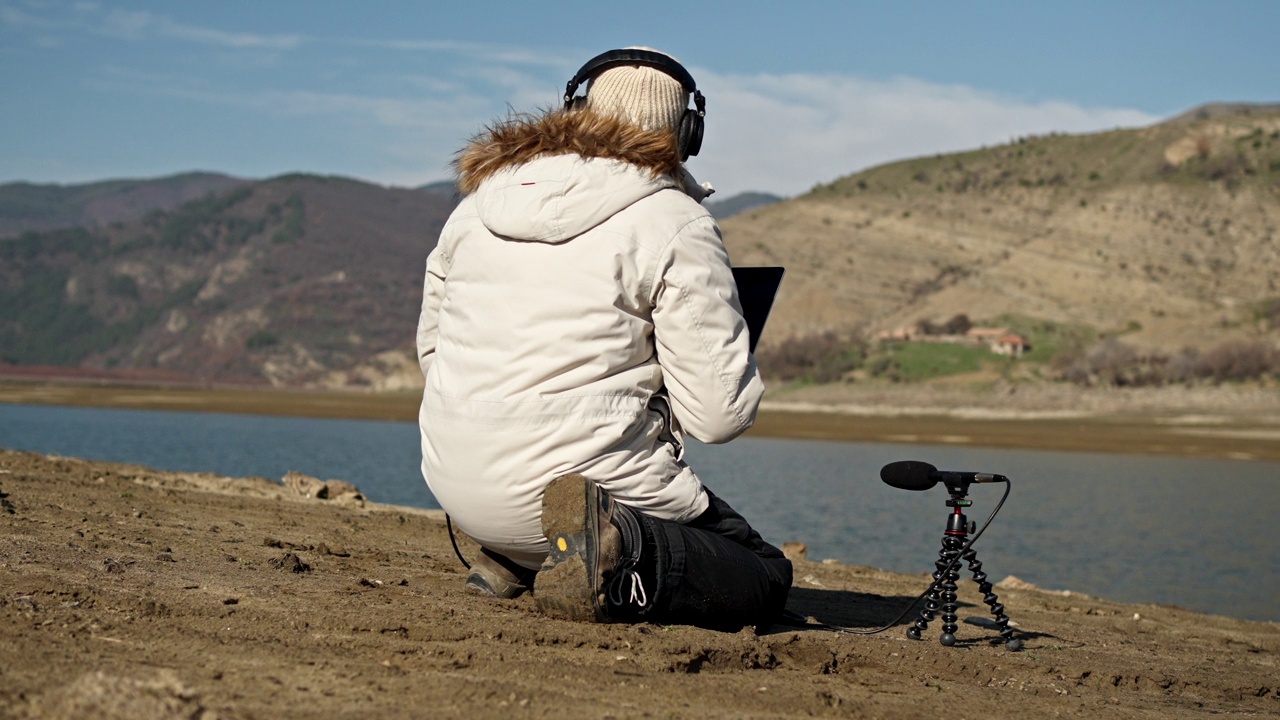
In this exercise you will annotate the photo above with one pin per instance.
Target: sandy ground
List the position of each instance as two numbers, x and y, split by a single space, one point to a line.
128 592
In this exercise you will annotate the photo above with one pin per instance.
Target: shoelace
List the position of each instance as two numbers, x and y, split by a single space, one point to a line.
626 586
637 594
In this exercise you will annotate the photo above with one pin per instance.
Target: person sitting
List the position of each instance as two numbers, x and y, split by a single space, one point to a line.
579 320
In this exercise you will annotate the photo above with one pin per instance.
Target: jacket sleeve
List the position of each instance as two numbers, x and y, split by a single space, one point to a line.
432 295
701 336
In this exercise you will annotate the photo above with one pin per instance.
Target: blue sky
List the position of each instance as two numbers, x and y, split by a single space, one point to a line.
797 93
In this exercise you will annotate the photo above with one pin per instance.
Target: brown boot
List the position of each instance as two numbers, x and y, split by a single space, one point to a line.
496 575
585 549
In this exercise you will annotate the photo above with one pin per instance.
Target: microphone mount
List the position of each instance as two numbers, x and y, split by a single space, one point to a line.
957 545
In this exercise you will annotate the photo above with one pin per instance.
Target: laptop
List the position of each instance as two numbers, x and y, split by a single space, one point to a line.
757 287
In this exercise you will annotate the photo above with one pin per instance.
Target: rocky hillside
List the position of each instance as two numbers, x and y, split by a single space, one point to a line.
299 280
1167 234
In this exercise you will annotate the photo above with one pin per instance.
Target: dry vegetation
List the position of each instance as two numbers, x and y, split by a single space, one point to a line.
1163 240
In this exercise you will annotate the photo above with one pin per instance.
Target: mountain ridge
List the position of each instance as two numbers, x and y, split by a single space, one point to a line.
291 281
1166 235
26 206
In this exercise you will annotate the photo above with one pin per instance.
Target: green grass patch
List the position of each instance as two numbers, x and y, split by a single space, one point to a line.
913 362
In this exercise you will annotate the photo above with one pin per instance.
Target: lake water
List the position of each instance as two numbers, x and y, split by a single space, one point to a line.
1194 533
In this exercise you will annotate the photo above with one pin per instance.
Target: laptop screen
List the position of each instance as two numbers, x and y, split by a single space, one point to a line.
757 287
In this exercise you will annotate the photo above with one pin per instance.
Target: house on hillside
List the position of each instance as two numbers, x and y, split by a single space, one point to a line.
1012 344
1000 341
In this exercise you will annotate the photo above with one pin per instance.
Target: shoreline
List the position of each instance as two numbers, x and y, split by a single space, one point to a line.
1222 424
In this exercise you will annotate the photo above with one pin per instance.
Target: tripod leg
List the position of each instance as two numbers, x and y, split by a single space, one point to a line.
951 549
992 600
933 600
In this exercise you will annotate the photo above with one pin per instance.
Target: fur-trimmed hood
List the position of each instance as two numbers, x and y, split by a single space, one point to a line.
553 177
523 137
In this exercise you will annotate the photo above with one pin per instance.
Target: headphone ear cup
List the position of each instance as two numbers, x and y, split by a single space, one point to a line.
576 103
690 134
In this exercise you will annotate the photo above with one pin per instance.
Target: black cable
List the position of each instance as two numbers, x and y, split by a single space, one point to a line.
449 524
955 562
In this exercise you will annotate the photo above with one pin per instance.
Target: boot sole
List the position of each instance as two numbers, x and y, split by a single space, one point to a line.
565 585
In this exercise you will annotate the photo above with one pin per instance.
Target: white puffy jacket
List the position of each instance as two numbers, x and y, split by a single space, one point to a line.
578 315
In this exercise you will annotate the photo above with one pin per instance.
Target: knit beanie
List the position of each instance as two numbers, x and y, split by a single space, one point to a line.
643 95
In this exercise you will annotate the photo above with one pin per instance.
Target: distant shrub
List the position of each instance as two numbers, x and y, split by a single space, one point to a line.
123 286
1268 311
947 276
1109 363
182 228
1238 360
1113 363
185 294
32 245
293 228
1230 170
237 231
959 324
819 358
262 339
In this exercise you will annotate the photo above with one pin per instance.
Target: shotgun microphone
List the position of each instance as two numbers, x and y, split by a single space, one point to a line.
909 475
917 475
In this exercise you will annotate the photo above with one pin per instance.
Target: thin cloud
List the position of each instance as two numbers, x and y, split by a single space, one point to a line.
786 133
137 25
209 36
487 52
370 112
769 132
15 18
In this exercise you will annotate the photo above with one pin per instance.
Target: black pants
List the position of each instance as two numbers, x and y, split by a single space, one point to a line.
714 572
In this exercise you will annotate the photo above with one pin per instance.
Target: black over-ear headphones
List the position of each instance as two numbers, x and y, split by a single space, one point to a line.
691 122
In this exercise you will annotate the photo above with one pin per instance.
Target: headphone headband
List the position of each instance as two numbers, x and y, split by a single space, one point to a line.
689 132
631 56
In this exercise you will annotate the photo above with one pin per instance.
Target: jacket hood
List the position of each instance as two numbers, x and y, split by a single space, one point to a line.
551 177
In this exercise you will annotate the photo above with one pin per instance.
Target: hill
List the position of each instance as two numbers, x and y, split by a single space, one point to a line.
1164 234
28 206
740 203
298 280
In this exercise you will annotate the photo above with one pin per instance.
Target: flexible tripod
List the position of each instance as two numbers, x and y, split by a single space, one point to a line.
942 593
